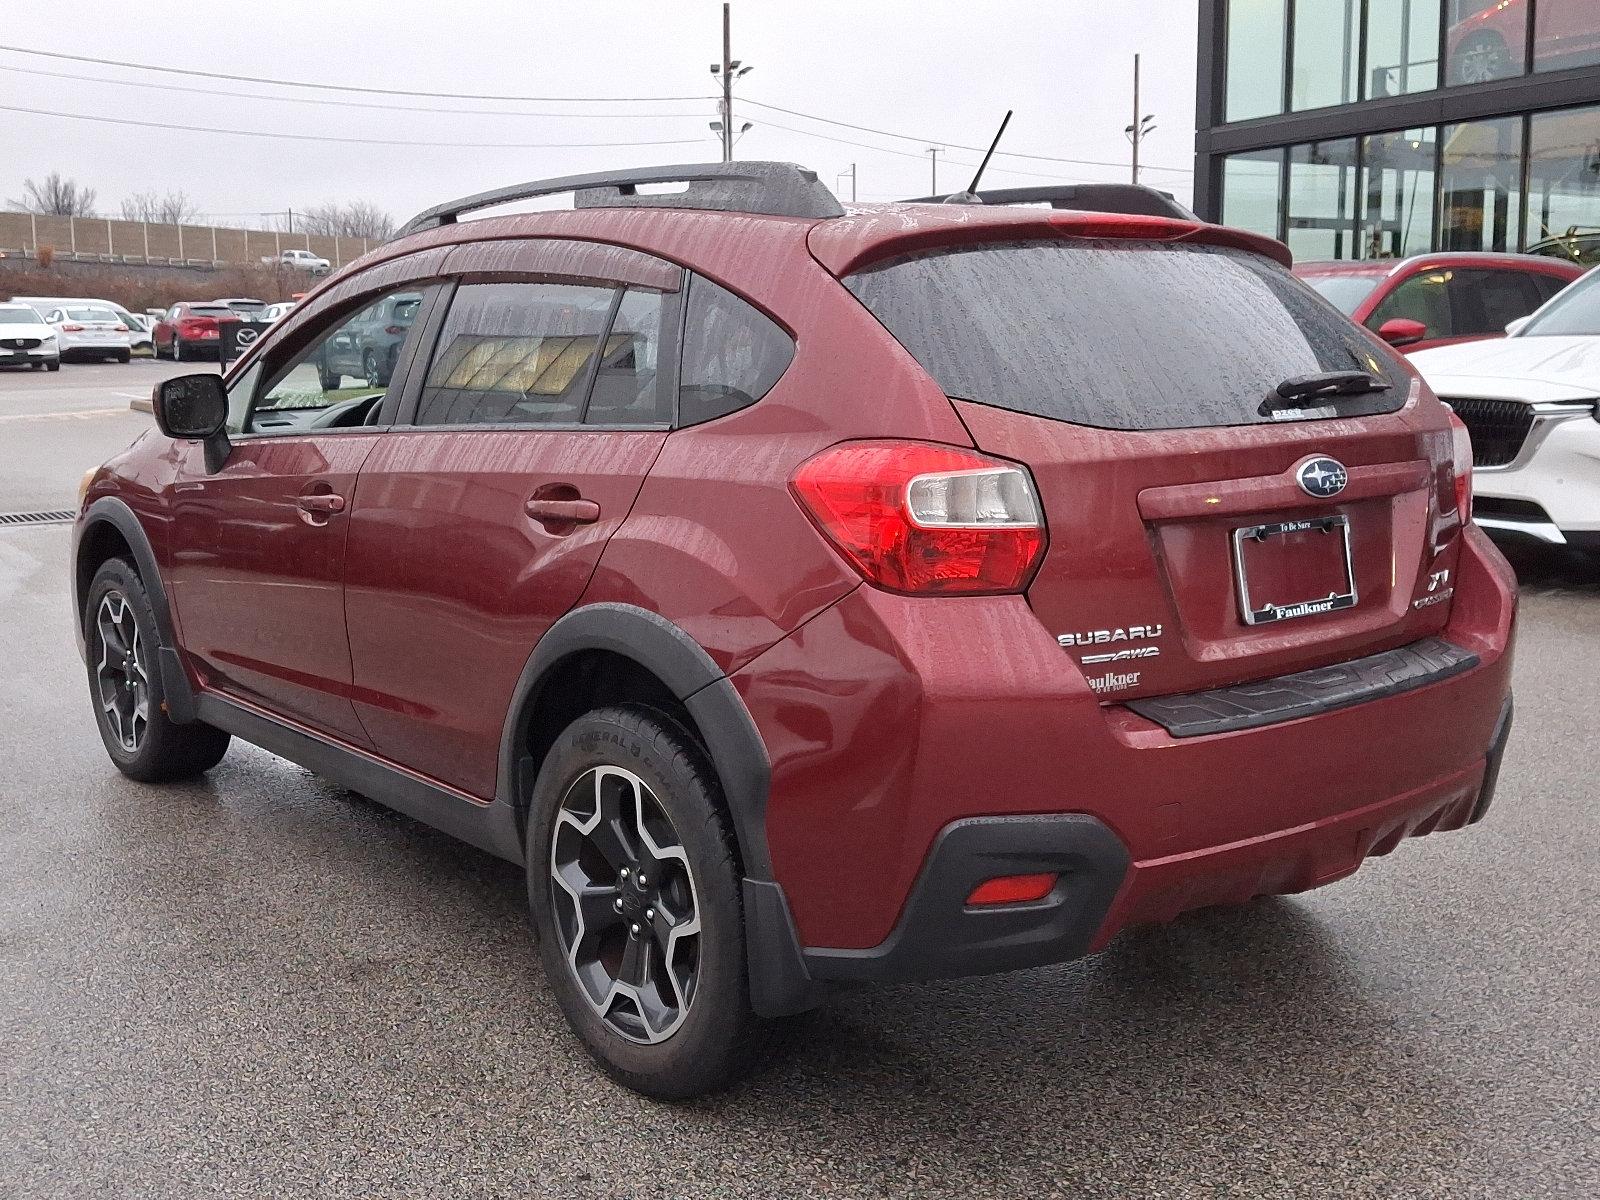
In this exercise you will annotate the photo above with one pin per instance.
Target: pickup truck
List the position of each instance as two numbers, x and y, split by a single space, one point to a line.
302 260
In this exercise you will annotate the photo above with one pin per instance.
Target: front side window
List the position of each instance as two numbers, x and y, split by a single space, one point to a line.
1424 298
516 354
1487 301
337 382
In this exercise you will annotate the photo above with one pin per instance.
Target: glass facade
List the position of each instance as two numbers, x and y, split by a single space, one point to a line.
1310 54
1341 187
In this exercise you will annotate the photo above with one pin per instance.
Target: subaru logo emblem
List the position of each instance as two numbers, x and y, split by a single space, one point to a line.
1323 478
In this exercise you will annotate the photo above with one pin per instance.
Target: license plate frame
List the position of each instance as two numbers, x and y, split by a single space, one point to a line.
1269 612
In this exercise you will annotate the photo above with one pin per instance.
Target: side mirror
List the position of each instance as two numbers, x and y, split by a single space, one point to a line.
195 406
1402 331
1515 327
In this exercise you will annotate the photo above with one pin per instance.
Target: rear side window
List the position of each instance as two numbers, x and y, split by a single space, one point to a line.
515 353
1119 335
732 354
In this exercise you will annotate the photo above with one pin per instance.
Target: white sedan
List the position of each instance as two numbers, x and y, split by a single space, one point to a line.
1531 402
25 340
86 331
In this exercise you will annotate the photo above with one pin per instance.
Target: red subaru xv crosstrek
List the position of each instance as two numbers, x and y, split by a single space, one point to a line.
811 596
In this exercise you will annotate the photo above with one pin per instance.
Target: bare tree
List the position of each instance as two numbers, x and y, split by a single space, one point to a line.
174 208
55 196
358 219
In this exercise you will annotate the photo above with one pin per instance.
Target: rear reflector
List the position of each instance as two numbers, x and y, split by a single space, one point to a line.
1013 889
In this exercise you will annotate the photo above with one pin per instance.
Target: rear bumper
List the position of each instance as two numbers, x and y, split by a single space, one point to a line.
902 735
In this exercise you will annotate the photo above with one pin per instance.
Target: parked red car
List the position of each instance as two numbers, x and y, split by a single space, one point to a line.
1438 299
191 331
810 598
1492 43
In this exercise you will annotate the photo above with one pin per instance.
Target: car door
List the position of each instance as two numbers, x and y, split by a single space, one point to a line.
258 544
477 526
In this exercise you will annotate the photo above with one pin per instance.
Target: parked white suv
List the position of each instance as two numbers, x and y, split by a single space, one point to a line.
1531 402
301 260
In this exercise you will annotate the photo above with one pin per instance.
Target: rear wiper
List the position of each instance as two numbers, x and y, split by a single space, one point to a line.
1293 393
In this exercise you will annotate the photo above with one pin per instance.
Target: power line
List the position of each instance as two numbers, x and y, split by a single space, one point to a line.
459 112
315 137
954 162
339 87
1081 162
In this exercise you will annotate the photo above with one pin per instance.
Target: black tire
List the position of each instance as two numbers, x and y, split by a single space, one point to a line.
53 366
327 377
125 356
159 750
716 1037
177 350
369 368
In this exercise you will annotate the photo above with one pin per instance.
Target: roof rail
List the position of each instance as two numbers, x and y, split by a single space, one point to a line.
770 188
1085 197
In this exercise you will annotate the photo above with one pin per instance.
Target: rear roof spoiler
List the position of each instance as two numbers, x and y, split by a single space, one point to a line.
1133 199
775 189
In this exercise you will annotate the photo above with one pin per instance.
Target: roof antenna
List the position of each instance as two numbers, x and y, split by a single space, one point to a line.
970 196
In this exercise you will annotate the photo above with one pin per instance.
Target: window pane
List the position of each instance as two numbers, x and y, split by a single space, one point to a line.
1327 38
732 354
1402 46
348 368
1424 298
1564 182
1397 194
515 353
1081 330
1566 33
628 384
1255 58
1575 313
1488 40
1487 301
1252 190
1481 190
1322 200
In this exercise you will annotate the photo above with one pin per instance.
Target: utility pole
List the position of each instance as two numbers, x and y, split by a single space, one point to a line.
727 85
852 173
933 153
728 69
1144 124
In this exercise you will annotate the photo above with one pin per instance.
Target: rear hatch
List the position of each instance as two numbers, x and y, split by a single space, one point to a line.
1187 549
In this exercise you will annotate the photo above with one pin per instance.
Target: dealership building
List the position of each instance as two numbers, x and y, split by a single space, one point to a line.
1380 128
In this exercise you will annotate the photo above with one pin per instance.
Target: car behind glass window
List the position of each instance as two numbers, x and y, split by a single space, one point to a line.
732 354
1119 335
515 353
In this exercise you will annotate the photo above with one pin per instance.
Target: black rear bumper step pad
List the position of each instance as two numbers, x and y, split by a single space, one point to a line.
1307 693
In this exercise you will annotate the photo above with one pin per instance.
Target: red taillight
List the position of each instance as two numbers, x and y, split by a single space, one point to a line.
197 324
1461 454
72 329
926 519
1013 889
396 330
120 328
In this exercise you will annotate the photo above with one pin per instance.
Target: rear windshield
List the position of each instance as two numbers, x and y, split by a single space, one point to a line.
1344 292
93 314
1120 334
211 310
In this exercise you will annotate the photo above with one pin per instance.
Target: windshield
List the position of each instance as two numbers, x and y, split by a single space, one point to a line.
1344 292
1121 334
1573 313
19 316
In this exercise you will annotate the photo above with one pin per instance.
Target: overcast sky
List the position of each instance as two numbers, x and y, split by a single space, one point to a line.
941 71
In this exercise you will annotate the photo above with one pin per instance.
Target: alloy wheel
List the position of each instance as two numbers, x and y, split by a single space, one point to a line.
1482 62
120 676
624 903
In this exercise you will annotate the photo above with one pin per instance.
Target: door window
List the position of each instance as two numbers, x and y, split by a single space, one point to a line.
337 382
629 386
1487 300
1424 298
516 354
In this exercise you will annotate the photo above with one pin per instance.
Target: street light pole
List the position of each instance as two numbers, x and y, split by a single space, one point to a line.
727 86
1137 133
933 153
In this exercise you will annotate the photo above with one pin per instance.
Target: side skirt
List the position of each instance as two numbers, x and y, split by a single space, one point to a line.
490 826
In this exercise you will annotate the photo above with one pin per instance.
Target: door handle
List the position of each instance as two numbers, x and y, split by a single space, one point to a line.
321 503
563 512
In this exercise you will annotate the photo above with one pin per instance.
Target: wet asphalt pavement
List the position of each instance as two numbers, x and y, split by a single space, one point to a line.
260 985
